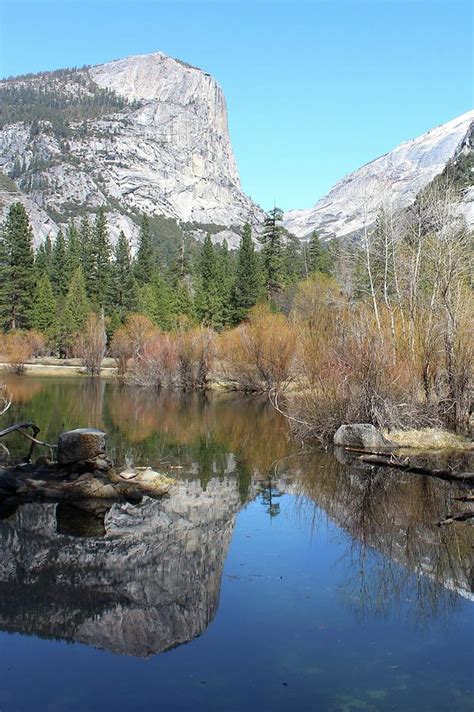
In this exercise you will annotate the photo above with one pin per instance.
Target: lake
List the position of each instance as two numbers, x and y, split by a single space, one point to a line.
273 577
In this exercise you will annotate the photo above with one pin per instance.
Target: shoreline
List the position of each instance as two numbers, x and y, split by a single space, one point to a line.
57 367
421 440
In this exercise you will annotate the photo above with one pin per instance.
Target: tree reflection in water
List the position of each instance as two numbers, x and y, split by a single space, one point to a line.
226 448
397 515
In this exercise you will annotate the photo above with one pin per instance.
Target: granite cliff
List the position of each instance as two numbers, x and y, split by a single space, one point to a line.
143 134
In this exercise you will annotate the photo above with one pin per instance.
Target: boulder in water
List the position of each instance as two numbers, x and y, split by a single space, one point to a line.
363 435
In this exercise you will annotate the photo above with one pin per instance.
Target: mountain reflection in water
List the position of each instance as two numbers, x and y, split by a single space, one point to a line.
142 578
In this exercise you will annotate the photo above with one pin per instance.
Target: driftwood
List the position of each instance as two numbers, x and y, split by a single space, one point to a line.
5 400
82 472
21 428
53 482
448 475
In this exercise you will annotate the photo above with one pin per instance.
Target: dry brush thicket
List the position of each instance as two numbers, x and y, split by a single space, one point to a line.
395 349
19 347
146 356
259 354
386 340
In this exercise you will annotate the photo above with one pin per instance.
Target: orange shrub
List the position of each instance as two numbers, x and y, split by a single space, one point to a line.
155 365
121 351
130 342
37 342
258 355
147 357
351 368
139 330
195 350
18 347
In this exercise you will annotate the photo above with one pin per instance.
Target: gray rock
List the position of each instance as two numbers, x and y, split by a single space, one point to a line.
80 445
360 435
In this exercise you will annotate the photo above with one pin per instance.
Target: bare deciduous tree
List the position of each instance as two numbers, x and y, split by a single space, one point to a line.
91 344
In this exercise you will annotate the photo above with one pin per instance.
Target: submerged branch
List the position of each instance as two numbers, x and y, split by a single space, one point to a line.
451 518
448 475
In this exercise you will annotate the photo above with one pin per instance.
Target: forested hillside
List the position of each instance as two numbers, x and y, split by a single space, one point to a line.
59 97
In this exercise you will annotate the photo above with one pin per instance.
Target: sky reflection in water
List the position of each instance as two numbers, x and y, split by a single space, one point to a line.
299 582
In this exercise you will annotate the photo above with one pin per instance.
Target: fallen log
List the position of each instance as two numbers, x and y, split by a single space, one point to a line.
448 475
387 451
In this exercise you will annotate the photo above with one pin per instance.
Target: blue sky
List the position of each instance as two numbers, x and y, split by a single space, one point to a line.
314 88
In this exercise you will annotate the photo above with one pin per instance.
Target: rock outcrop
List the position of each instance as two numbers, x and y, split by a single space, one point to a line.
165 152
398 177
41 223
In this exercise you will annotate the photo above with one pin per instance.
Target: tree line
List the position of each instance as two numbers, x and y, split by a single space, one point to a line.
377 329
53 289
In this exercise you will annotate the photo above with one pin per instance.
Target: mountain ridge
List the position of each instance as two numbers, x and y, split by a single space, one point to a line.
148 134
401 173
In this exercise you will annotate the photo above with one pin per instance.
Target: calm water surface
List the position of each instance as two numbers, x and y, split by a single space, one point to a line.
270 579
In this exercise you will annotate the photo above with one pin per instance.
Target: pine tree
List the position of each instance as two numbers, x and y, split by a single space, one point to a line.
226 268
208 300
43 258
182 303
4 280
248 283
293 263
124 296
44 311
144 263
146 301
86 250
272 261
318 256
18 270
100 284
59 271
73 250
156 301
163 300
75 312
181 266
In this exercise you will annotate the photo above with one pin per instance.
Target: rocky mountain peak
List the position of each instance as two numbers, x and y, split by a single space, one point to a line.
155 140
400 174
